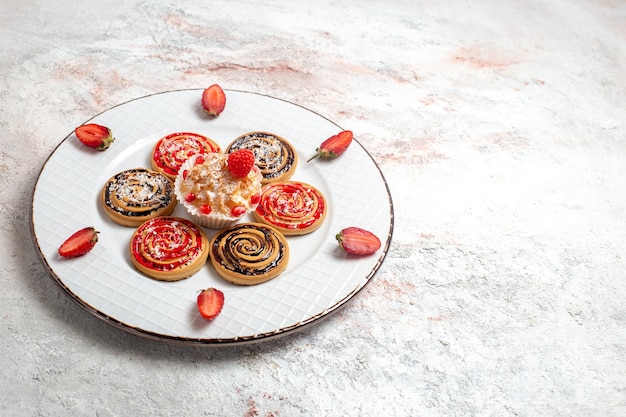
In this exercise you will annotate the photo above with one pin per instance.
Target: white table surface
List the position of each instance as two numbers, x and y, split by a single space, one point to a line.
500 127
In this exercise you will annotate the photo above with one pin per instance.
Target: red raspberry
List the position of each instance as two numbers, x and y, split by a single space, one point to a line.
240 162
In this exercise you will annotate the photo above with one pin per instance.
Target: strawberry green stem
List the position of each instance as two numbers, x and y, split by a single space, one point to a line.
317 155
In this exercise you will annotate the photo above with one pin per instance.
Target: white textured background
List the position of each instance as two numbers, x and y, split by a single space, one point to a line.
501 129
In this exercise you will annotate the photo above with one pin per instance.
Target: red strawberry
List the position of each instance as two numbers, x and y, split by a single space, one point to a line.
210 303
357 241
240 162
79 243
213 100
238 211
334 146
95 136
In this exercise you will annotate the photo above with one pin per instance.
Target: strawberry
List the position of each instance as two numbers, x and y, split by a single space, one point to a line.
334 146
357 241
240 162
79 243
210 303
95 136
238 211
213 100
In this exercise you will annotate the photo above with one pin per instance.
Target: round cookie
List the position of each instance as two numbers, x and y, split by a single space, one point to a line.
293 207
249 253
274 156
135 195
169 248
171 151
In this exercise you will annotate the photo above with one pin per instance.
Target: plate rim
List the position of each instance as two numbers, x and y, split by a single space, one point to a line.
239 340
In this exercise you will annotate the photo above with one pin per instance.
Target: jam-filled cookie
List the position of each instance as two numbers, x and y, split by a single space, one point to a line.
171 151
169 248
249 253
276 157
293 207
135 195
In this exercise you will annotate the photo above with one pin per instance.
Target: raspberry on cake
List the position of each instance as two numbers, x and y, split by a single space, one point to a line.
240 162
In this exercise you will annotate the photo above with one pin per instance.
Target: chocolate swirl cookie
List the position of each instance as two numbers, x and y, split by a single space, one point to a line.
249 253
133 196
274 156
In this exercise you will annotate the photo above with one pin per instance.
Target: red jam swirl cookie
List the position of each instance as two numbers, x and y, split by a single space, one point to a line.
294 208
171 151
133 196
274 156
249 253
169 248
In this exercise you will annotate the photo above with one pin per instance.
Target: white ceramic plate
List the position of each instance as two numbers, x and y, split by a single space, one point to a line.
319 278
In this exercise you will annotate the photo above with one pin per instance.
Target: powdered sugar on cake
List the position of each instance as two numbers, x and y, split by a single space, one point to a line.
209 184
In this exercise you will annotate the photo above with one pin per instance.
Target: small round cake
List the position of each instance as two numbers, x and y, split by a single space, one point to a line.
249 253
293 207
169 153
276 157
135 195
212 195
168 248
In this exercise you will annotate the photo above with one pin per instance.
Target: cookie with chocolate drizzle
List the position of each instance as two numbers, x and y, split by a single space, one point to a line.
135 195
249 253
273 155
